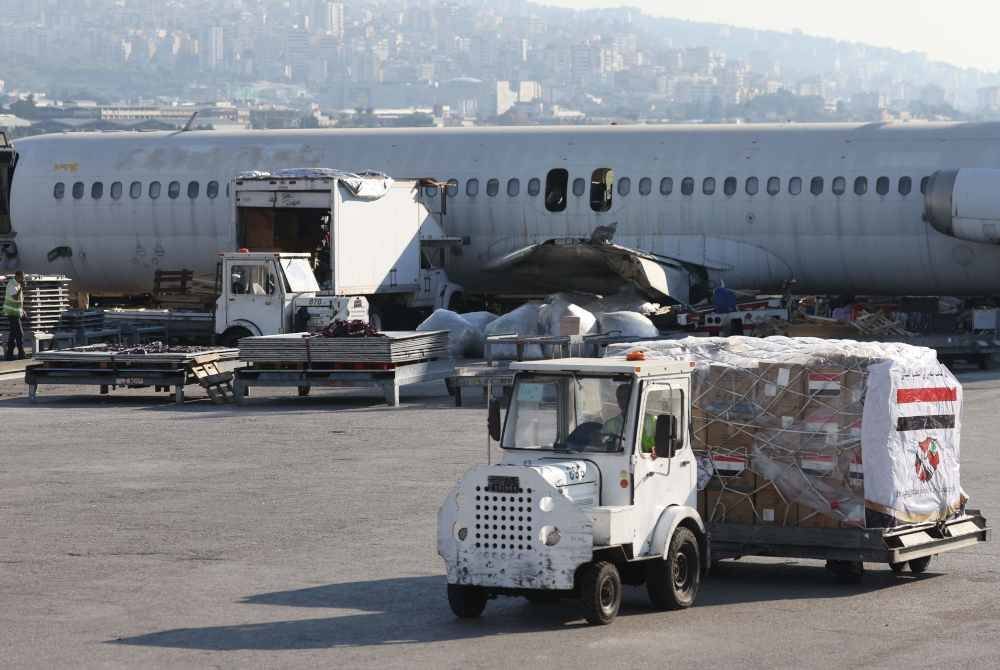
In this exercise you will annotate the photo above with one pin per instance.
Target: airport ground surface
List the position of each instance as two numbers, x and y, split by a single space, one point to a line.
301 533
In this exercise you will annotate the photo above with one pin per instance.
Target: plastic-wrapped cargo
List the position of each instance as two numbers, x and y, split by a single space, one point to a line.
479 321
821 433
627 324
558 310
464 339
522 322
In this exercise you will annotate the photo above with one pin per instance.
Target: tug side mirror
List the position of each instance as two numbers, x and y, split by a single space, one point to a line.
494 420
666 436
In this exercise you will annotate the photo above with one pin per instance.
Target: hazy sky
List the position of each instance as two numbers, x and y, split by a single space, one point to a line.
963 32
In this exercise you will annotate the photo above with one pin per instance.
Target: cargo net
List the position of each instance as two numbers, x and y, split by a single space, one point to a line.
777 427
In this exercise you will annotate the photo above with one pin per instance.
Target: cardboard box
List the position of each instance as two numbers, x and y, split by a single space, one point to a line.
729 505
773 509
833 389
779 390
809 518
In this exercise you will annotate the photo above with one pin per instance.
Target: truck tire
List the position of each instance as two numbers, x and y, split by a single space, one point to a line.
673 583
600 592
231 338
919 565
467 602
847 572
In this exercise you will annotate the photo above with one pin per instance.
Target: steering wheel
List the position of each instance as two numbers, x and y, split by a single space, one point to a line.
587 433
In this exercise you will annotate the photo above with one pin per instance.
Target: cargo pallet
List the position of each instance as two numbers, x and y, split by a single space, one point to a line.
85 366
389 377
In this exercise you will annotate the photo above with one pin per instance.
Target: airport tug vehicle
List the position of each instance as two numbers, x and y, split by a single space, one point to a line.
596 488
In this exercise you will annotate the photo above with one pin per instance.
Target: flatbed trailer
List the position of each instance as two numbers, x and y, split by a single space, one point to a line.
169 372
846 549
388 377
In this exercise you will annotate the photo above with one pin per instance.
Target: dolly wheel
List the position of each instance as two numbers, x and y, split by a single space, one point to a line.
600 592
847 572
898 568
467 602
919 565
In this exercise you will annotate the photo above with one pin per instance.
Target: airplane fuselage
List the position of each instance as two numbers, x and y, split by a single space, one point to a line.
838 208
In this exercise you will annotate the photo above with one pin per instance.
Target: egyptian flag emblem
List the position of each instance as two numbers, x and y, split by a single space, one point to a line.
928 459
825 384
925 408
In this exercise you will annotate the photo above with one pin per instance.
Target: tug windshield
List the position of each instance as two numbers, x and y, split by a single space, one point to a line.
568 413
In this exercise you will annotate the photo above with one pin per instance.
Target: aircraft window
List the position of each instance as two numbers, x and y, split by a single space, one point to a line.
923 184
624 186
708 186
839 186
602 188
729 186
116 190
579 187
431 191
687 186
472 188
860 185
816 186
451 188
905 185
135 190
882 186
774 185
154 189
492 187
555 189
513 187
97 190
212 190
193 188
78 190
753 186
173 189
795 185
666 186
534 186
59 190
645 186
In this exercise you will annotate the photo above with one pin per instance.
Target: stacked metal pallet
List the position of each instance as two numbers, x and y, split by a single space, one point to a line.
389 348
45 299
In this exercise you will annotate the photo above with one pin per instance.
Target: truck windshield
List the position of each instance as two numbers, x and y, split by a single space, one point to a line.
299 275
568 413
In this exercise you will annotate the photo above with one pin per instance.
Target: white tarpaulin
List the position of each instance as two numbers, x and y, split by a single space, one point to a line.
864 433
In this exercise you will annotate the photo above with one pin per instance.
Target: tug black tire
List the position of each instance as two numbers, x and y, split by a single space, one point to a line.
600 592
673 583
467 602
919 565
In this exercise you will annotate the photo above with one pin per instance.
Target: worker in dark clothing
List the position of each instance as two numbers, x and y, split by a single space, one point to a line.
13 309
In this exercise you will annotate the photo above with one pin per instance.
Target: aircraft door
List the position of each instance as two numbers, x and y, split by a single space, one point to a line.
8 161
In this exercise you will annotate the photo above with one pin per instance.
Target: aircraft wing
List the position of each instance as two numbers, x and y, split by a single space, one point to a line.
572 264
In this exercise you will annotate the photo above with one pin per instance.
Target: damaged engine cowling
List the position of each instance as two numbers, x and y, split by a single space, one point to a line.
965 204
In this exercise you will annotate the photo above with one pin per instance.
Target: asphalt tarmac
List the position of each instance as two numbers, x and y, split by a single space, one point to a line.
300 532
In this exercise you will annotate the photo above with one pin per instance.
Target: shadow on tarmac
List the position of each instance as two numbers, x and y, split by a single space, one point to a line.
414 610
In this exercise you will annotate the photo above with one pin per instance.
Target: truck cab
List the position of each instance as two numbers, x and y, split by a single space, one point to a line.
271 293
596 487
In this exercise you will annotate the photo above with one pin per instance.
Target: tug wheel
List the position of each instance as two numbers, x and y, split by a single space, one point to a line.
467 602
600 592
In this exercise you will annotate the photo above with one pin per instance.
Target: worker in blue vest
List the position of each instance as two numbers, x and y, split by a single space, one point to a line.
13 309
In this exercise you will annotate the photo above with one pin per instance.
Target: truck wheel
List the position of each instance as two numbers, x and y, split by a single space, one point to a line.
673 583
600 592
919 565
847 572
231 338
467 602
